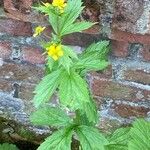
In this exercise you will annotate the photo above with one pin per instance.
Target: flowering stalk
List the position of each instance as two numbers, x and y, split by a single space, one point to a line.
66 77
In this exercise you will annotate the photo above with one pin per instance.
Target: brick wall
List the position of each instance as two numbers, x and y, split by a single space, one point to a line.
122 91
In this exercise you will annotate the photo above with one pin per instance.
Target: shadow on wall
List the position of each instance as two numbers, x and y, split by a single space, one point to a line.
1 3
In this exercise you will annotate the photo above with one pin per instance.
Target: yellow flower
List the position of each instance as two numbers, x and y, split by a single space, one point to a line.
60 4
38 30
55 51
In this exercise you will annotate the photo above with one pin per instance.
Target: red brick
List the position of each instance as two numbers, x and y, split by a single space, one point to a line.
120 48
137 76
106 73
19 72
93 30
32 55
127 111
5 50
22 91
26 91
116 91
6 86
23 6
15 27
129 37
145 52
126 15
81 39
32 17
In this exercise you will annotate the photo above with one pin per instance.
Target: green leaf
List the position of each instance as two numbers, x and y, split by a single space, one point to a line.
140 134
90 138
42 9
73 90
94 58
59 140
89 108
46 87
71 13
66 62
101 46
50 116
87 115
91 65
7 146
119 139
77 27
53 19
69 52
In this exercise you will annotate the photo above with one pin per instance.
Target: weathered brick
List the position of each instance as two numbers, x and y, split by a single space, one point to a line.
18 6
18 90
120 48
127 15
15 27
19 72
106 73
145 52
5 50
127 111
110 89
81 39
109 125
6 86
26 91
32 55
129 37
137 76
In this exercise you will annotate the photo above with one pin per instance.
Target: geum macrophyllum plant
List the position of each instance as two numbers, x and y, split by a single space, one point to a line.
66 77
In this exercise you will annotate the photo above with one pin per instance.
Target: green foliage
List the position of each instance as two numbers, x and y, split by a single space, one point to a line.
71 13
66 77
140 135
50 116
7 146
134 138
94 58
90 138
77 27
73 90
46 87
60 140
119 139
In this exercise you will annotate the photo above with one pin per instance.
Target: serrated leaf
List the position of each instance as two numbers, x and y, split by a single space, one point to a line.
53 19
50 116
77 27
71 13
121 136
7 146
45 89
94 58
89 108
59 140
99 46
90 138
73 90
50 63
140 135
42 9
116 147
69 52
87 115
66 62
119 139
